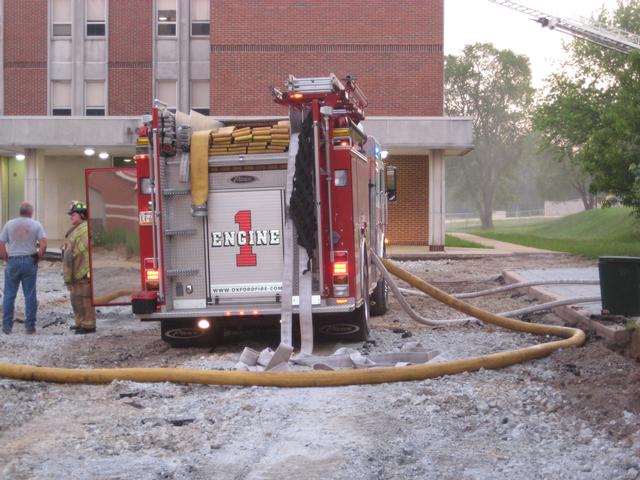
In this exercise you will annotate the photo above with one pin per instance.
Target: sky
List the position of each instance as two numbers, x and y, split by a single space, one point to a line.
471 21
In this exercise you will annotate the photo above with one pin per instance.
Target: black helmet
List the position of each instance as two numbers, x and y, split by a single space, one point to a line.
78 206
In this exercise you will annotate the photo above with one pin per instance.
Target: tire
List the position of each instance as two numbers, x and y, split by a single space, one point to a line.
354 326
348 327
183 332
380 296
360 319
380 299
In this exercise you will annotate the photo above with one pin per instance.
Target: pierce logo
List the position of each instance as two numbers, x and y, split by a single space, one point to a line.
245 238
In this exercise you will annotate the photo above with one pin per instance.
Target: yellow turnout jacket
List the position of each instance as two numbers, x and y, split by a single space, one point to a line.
75 254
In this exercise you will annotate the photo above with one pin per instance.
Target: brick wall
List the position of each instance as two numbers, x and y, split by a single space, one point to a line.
393 48
25 57
130 56
409 214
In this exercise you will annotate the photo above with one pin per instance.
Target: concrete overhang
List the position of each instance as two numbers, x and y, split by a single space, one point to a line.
417 135
64 135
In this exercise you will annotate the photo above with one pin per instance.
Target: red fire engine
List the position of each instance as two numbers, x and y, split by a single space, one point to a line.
243 222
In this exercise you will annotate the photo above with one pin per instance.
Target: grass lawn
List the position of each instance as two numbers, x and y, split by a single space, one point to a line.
451 241
596 233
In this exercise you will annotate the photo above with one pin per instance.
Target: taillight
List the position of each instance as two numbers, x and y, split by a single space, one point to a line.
340 264
151 274
340 274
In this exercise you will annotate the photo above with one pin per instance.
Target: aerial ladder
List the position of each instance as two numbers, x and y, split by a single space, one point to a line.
610 37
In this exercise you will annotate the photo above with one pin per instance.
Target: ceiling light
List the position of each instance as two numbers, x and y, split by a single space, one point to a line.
384 154
20 157
89 151
103 155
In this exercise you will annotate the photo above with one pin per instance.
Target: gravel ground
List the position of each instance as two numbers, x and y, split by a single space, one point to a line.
572 415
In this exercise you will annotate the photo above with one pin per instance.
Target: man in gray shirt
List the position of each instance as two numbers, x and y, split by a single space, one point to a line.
26 242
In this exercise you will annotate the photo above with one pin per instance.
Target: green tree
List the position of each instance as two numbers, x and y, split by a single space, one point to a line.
590 115
566 120
493 87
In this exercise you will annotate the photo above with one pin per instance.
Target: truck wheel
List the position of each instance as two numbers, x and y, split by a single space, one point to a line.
359 318
183 332
350 327
380 298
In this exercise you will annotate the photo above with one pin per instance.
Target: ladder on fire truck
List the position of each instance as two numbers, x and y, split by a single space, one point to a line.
350 101
590 30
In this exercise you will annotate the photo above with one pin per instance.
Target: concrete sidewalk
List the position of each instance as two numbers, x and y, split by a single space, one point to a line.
586 316
494 247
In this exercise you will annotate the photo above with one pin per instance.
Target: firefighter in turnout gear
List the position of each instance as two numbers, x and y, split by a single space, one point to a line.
75 267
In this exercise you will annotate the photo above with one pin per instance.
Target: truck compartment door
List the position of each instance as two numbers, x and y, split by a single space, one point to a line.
112 199
245 244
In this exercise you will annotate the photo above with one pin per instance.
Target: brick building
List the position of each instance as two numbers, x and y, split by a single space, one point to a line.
79 73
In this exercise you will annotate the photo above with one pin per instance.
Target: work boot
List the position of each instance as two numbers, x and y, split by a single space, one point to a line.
31 332
74 327
6 331
82 330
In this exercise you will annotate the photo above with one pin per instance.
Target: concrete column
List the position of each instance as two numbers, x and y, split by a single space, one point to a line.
34 165
183 102
436 201
77 55
2 58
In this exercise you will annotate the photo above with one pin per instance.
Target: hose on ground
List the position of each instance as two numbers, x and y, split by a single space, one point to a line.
571 337
506 288
545 306
112 296
407 308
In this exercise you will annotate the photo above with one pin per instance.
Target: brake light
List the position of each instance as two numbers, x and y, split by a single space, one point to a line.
152 275
340 274
340 263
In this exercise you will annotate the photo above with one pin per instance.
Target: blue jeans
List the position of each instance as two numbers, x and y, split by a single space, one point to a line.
20 270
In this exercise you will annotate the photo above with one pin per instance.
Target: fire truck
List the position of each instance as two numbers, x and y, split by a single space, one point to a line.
244 220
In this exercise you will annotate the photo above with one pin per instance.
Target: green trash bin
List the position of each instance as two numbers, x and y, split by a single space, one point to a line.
620 285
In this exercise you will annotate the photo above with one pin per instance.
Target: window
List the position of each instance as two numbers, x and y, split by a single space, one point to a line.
61 18
123 162
200 18
96 25
61 98
200 96
94 99
166 18
167 93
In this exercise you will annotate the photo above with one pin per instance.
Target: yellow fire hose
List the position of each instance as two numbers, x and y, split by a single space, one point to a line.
572 337
112 296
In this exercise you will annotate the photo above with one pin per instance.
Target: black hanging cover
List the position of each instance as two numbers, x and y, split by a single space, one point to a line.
302 205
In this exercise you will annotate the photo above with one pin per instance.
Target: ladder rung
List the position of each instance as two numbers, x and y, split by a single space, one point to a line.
315 84
175 191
